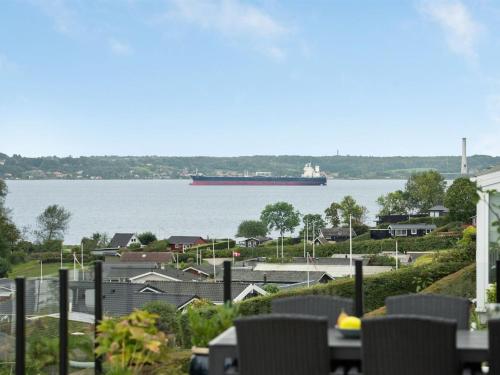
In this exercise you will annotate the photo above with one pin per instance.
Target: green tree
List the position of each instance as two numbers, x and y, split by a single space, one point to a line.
52 223
3 194
393 203
280 216
349 207
425 189
313 221
332 214
461 198
4 267
147 237
252 228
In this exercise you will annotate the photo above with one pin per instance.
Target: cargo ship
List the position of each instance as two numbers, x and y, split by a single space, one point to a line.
311 177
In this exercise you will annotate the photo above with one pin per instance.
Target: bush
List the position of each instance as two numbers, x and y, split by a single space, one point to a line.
147 237
50 246
17 257
25 247
382 260
135 246
161 245
5 267
166 312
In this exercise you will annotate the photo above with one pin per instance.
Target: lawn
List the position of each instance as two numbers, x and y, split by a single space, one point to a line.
32 269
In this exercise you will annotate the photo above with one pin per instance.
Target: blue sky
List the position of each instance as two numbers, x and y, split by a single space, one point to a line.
235 77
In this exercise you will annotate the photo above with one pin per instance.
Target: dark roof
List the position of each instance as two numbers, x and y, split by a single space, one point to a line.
152 256
337 261
439 207
276 277
337 231
204 267
184 240
112 272
413 226
120 240
122 298
206 290
259 239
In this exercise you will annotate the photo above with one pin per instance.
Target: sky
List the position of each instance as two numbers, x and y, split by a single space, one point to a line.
241 77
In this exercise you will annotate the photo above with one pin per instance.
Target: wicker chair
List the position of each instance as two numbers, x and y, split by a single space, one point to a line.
494 346
327 306
431 305
410 345
282 344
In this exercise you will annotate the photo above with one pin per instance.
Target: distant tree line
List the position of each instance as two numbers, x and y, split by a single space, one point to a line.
130 167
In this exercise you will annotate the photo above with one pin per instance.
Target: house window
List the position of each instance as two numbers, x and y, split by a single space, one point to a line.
401 232
413 231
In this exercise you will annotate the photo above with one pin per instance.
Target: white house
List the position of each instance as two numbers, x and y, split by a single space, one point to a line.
488 236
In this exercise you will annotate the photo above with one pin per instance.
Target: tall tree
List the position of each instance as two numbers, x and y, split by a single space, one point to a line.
252 228
348 207
280 216
147 237
313 221
461 198
52 223
393 203
332 214
425 189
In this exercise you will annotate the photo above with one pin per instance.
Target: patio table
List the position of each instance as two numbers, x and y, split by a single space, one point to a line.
472 348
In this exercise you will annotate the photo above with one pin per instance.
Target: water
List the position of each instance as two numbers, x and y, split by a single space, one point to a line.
173 207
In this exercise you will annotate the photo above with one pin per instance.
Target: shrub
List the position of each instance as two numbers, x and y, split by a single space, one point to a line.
207 322
382 260
147 237
161 245
5 267
166 312
131 343
135 246
17 257
50 246
271 288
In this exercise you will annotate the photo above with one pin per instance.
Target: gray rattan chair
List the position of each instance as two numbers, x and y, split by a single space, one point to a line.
409 345
431 305
494 346
281 344
328 306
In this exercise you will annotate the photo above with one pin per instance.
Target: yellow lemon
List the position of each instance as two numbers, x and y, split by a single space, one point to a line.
351 322
341 317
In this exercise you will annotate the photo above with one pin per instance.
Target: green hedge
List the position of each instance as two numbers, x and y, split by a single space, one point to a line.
376 288
426 243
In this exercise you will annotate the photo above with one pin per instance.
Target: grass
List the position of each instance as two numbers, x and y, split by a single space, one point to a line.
32 269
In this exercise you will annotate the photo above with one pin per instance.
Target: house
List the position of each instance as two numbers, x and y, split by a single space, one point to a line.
141 273
335 234
211 291
410 230
393 218
181 243
255 241
488 232
120 240
160 258
438 211
276 277
379 233
120 299
203 270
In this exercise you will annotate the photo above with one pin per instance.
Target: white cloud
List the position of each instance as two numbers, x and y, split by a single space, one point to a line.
62 15
234 19
227 16
460 29
120 48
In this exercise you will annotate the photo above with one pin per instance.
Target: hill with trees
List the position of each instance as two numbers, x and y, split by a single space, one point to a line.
167 167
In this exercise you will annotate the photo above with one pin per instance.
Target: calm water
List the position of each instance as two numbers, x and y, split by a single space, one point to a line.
173 207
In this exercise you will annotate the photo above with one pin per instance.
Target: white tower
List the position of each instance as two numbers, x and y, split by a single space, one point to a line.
464 169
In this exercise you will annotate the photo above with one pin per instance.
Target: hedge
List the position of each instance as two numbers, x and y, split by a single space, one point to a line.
376 288
426 243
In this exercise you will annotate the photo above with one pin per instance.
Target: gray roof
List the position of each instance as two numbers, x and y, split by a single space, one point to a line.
112 272
439 207
204 267
413 226
331 261
147 256
206 290
184 240
275 277
122 298
120 240
259 238
337 231
493 169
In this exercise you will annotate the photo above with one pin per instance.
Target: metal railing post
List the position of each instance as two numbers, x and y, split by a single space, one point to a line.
20 326
358 288
227 282
498 281
98 311
63 322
